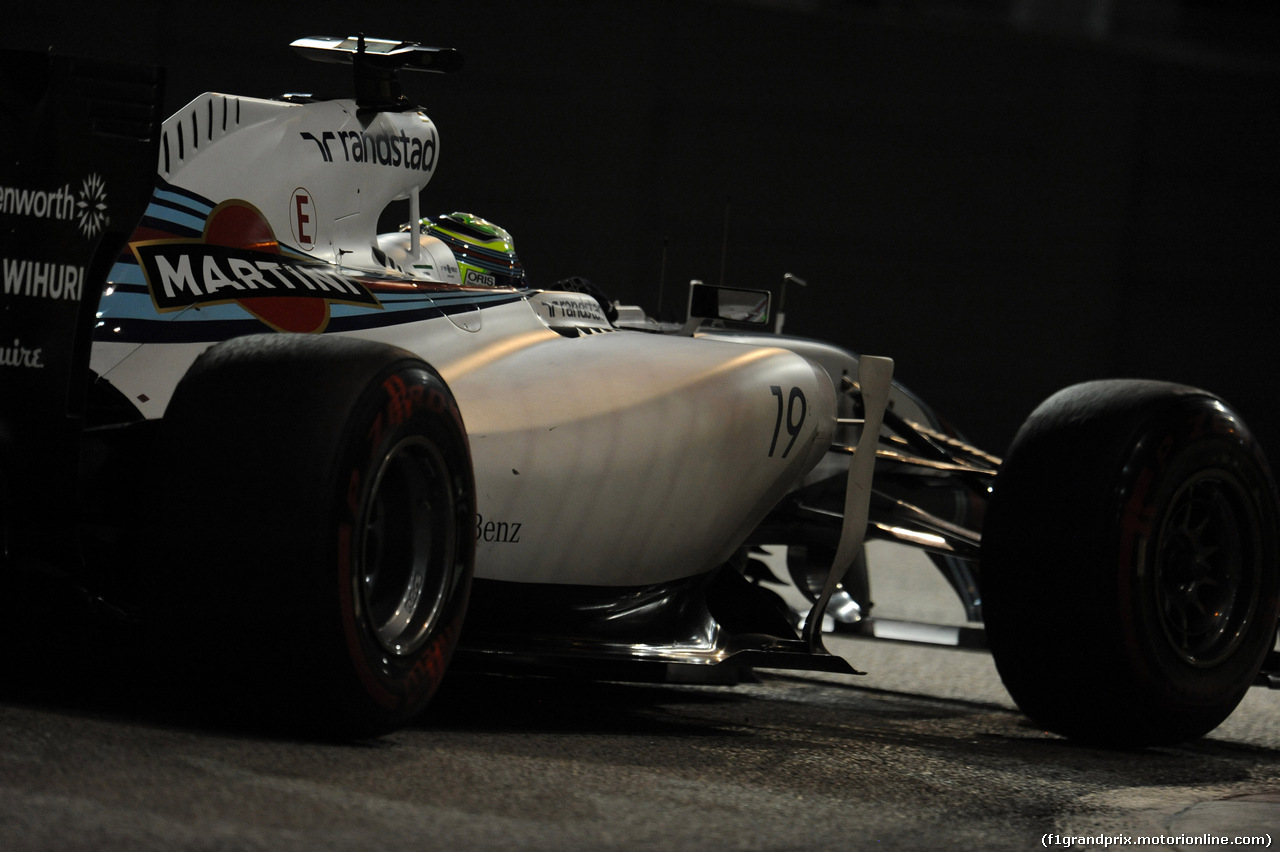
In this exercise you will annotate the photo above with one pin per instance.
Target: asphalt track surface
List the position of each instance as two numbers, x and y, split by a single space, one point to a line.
925 752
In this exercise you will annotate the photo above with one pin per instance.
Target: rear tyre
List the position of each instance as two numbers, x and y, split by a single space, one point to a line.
312 528
1129 563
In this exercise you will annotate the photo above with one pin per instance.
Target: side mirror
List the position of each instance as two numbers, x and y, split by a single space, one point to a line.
708 302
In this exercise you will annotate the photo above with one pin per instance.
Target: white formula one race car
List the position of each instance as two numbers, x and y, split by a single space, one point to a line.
322 459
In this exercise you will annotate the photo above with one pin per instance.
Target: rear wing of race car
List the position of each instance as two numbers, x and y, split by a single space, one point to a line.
376 63
78 148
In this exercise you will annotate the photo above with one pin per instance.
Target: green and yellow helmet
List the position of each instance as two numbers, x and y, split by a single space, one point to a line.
485 253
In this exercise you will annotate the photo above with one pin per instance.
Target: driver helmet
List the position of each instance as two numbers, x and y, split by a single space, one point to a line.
485 253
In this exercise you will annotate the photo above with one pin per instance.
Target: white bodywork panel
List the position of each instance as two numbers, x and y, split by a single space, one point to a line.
589 469
645 476
349 166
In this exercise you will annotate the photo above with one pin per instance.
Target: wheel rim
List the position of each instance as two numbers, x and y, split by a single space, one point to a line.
1207 571
407 546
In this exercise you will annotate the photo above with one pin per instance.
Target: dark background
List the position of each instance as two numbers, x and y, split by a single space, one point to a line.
1006 196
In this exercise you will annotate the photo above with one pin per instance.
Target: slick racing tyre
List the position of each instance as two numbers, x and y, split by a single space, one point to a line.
311 531
1129 563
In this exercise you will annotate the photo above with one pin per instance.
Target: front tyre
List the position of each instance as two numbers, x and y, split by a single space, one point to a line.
1129 563
311 528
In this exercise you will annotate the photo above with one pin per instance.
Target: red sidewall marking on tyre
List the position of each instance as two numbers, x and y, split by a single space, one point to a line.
400 403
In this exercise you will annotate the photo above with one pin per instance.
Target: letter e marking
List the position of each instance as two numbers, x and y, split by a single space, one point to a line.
302 219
